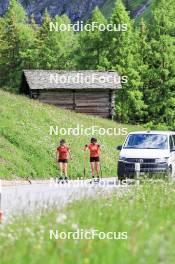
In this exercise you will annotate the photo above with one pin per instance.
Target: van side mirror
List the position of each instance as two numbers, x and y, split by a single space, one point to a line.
119 147
173 149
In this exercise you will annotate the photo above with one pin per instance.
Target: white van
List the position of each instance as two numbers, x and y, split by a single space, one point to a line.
147 152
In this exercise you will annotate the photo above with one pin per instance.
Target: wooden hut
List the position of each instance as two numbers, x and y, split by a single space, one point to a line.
89 92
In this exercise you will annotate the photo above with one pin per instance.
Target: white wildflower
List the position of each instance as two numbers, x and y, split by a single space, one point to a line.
75 226
61 218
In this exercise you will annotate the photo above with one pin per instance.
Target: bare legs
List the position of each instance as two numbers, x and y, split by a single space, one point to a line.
95 166
63 169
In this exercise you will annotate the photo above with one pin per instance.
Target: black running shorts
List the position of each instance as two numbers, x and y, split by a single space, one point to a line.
63 161
94 159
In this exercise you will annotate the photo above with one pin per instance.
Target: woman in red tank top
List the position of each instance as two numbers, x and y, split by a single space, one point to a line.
62 156
94 149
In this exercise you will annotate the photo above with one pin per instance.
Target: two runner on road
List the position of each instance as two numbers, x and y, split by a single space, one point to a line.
63 154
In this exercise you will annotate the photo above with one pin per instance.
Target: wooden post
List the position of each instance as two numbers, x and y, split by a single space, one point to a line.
74 100
34 94
112 104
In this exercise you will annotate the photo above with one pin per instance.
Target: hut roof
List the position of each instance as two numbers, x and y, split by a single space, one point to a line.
53 79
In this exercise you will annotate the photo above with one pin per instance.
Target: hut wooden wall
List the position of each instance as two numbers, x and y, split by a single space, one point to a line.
62 99
96 102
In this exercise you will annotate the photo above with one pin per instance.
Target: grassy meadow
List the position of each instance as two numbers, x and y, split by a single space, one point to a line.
28 149
146 213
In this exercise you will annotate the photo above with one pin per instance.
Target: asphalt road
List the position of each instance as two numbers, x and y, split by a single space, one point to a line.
16 200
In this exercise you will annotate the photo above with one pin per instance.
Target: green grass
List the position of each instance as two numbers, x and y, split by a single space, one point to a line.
27 148
147 215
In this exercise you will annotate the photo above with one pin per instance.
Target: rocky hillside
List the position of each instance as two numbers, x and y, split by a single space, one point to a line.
75 9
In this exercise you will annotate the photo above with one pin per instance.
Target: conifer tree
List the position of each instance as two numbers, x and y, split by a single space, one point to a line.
17 38
123 56
160 79
56 47
92 47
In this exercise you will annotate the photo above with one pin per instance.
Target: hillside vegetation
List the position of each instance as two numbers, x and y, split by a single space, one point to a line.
27 148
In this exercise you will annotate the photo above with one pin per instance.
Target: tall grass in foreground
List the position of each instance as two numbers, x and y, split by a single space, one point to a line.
146 213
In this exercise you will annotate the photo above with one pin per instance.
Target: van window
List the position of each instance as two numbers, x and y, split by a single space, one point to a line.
171 143
147 141
173 139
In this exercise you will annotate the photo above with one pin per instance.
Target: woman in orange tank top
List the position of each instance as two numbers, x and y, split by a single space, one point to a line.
94 149
62 156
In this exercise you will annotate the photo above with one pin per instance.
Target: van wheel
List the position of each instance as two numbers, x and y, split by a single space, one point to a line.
121 175
120 178
121 172
170 172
